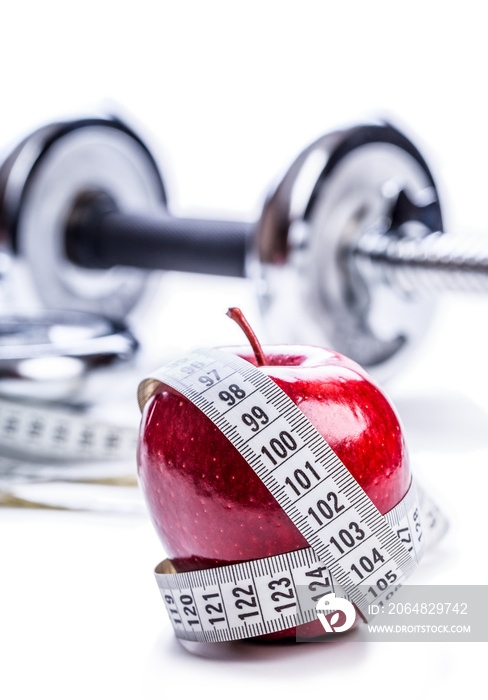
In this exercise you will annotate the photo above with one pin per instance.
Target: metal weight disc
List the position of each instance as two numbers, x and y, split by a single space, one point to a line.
49 355
39 183
311 289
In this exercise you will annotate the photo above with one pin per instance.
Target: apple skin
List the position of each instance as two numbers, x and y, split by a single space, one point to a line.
208 506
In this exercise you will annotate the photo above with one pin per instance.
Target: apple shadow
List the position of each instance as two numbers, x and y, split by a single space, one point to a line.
447 423
342 652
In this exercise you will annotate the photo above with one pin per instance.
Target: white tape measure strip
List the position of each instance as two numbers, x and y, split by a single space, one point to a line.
243 600
260 596
46 434
340 529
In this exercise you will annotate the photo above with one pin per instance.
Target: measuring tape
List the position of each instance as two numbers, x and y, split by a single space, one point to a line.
54 434
349 529
63 458
274 593
43 357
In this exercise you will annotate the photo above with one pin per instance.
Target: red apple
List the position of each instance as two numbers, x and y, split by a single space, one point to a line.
209 507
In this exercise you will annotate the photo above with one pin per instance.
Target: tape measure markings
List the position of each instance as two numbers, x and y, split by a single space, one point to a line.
229 584
297 434
218 585
46 433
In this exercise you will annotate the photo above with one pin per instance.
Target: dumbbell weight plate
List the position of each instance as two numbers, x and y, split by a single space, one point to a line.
310 288
39 183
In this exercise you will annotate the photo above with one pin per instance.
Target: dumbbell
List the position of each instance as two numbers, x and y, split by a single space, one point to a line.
346 254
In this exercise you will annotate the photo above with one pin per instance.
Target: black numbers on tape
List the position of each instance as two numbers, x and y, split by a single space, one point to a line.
234 392
348 538
255 419
404 535
278 595
246 599
327 509
323 585
173 611
366 565
301 479
280 447
214 607
210 378
189 609
383 583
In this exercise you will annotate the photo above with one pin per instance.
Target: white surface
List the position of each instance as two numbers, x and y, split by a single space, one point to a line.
231 93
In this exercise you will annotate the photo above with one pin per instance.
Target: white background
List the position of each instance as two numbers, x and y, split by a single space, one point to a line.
229 93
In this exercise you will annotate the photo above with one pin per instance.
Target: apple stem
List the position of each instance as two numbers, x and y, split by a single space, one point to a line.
236 315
